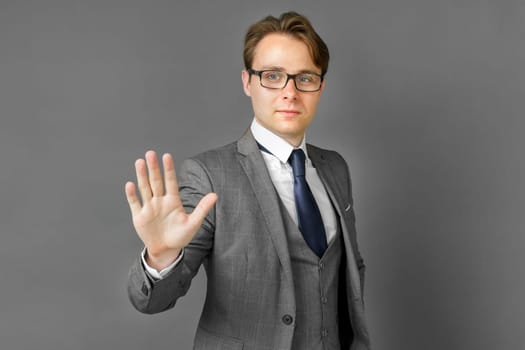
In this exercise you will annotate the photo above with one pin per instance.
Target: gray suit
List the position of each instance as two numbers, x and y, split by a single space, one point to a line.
250 301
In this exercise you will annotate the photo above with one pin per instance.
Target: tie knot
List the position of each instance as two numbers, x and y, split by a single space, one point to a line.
296 160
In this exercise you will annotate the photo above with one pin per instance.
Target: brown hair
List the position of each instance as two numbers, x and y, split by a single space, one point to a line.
290 23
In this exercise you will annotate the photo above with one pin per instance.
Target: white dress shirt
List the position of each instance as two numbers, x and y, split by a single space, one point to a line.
282 177
281 174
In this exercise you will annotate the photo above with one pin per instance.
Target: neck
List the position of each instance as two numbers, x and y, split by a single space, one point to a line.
294 141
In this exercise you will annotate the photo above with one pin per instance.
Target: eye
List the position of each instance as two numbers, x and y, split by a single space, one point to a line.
307 78
273 75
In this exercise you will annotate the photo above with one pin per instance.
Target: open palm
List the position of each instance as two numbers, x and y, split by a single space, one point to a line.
160 220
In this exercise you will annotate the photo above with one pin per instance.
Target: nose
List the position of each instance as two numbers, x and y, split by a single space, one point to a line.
289 90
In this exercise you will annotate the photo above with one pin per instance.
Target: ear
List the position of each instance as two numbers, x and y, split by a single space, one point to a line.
322 87
245 76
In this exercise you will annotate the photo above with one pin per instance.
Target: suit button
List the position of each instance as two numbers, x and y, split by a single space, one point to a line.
287 320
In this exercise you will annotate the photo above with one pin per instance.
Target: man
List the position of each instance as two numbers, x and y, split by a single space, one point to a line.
271 217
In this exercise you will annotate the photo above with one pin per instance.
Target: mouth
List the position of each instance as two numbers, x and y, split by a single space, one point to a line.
288 112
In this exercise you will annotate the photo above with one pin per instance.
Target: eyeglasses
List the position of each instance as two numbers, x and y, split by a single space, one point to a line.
275 79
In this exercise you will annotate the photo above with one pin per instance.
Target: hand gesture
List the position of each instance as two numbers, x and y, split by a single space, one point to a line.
160 220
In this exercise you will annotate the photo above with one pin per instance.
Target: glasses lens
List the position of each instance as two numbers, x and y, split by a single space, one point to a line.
308 82
273 79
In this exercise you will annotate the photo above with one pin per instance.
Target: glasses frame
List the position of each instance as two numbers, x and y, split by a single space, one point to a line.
288 77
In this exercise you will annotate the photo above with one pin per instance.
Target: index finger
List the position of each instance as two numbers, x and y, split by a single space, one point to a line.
170 177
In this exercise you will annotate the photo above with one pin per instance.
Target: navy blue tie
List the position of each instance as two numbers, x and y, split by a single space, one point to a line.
310 220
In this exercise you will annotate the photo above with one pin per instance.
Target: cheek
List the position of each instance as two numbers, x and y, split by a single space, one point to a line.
312 102
262 99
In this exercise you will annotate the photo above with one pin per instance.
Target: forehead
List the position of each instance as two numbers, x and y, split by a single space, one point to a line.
283 51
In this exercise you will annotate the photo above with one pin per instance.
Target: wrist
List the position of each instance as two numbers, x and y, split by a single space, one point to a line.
161 260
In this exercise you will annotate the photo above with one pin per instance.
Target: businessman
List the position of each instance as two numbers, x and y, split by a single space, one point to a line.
269 216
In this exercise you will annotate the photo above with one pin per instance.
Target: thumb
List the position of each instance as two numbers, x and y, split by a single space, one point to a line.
201 210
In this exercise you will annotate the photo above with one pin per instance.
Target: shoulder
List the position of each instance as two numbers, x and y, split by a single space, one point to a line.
211 164
227 156
215 156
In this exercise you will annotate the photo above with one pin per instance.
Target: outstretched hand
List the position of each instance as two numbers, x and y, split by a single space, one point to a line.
160 220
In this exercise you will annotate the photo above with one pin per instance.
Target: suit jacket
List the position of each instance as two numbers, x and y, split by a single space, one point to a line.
242 245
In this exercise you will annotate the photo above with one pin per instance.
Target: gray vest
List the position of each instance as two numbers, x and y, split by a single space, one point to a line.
316 283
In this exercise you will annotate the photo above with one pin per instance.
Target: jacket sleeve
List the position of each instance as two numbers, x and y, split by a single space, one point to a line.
152 296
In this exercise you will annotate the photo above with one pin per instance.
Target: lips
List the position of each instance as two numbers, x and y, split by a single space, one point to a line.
288 112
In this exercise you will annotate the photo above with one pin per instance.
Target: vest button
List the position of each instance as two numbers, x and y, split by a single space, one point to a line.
287 320
324 300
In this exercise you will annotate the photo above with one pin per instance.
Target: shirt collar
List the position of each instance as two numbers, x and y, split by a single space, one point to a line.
273 143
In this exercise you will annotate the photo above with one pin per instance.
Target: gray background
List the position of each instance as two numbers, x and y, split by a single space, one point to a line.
425 99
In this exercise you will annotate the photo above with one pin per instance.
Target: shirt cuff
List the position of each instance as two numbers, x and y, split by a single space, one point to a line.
158 275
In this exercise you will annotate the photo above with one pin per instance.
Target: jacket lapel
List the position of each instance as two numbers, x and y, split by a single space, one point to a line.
253 164
255 168
341 204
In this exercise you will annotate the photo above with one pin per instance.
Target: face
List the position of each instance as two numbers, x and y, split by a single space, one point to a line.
286 112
